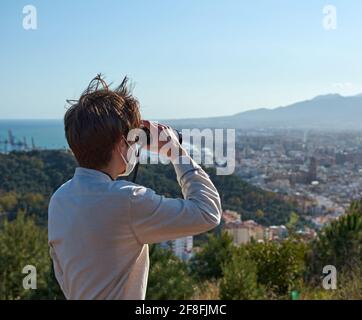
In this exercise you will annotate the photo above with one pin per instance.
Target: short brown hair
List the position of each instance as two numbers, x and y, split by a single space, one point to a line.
98 120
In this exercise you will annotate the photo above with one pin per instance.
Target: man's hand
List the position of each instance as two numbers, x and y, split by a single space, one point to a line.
164 140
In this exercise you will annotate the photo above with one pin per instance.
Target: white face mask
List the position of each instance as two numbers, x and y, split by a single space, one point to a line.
132 155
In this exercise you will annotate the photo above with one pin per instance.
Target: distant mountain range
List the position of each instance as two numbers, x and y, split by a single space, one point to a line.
331 111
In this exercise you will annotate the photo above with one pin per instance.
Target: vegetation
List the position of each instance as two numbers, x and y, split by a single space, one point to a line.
339 244
209 262
280 266
23 243
219 270
27 179
168 277
240 279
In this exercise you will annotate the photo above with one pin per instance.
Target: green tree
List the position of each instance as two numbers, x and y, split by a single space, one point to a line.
168 276
217 250
280 266
293 221
23 243
8 201
338 244
240 279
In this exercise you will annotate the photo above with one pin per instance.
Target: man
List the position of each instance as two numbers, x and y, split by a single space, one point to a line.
100 227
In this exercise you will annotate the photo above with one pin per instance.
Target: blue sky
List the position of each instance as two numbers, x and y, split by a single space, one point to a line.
187 58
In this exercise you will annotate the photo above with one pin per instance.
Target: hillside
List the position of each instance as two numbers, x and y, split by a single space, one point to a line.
27 180
331 112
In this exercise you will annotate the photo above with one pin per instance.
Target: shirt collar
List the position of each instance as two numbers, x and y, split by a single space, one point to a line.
96 174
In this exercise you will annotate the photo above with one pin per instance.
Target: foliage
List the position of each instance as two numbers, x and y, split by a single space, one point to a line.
339 244
35 171
27 180
40 173
349 287
168 276
23 243
293 222
239 280
253 271
207 290
279 266
216 251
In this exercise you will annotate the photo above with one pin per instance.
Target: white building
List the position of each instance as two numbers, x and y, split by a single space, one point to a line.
181 247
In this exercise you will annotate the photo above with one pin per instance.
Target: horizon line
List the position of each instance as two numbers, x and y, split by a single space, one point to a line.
229 115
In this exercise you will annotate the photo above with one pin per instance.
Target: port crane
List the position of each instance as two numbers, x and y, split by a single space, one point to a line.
11 143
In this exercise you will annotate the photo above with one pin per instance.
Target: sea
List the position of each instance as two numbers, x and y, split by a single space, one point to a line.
25 135
41 134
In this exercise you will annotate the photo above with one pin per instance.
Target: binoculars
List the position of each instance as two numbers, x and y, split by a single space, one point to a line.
148 135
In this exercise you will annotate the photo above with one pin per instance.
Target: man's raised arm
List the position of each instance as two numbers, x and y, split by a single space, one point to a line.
155 218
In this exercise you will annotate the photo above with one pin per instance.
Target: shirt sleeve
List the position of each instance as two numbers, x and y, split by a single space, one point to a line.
155 218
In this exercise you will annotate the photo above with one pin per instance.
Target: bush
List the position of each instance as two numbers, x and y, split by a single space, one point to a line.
207 264
240 279
23 243
280 266
349 285
339 244
168 277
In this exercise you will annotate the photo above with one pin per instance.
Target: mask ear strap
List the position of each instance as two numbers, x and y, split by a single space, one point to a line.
135 170
125 140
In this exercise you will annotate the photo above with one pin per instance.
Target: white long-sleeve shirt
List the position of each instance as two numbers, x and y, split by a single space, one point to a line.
98 229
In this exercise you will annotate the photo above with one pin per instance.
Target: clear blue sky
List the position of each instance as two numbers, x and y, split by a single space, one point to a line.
187 58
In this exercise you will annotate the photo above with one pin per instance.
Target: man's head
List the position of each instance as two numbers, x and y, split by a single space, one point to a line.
96 125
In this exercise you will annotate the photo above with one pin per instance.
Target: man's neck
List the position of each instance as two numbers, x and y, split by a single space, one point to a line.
109 175
113 171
